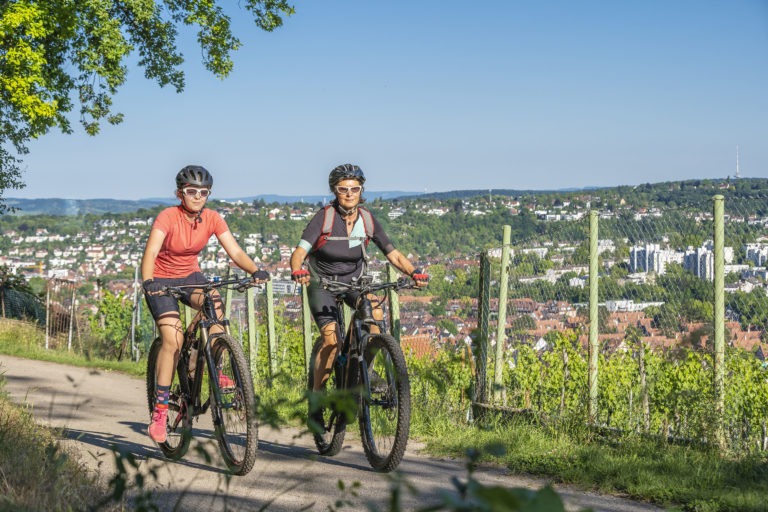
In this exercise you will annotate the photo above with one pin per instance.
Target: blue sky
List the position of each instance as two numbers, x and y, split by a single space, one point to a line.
437 95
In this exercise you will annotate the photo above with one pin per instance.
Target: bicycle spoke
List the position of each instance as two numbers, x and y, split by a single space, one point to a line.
385 418
233 407
179 424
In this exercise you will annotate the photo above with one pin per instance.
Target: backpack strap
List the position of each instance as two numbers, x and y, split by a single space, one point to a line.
367 223
329 215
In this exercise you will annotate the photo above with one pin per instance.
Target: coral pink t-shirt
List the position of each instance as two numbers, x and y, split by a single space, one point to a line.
184 240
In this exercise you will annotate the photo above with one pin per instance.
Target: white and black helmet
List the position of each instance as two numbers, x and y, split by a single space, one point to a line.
195 175
345 172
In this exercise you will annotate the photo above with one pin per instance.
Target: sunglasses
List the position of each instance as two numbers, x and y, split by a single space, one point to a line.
192 191
348 190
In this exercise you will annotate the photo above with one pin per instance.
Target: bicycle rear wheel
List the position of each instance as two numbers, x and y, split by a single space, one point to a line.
233 405
385 417
179 424
327 419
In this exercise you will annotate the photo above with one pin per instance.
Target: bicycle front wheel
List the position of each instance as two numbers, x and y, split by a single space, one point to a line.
233 405
179 423
385 418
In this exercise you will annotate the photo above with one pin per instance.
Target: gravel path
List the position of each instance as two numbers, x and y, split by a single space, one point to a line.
101 410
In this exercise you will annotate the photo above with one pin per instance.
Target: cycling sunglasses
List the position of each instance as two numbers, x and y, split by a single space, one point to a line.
192 191
348 190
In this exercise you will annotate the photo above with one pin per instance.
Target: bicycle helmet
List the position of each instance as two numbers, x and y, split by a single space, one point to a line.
345 172
195 175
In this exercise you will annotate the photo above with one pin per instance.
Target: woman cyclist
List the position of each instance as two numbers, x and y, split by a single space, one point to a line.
177 236
335 241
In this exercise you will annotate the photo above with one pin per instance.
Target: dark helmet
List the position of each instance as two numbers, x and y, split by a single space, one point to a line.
345 172
195 175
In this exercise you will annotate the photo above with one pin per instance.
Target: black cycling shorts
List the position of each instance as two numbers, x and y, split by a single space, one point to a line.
322 303
162 304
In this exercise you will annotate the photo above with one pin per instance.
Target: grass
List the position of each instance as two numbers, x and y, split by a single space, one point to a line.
684 478
37 473
678 477
22 339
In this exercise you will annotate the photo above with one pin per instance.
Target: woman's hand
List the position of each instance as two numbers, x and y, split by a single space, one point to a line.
300 276
420 278
151 287
260 276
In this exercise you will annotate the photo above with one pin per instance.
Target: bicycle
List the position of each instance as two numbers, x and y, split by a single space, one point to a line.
370 369
230 398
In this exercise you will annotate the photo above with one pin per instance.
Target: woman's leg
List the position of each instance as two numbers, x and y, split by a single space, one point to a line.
325 356
378 313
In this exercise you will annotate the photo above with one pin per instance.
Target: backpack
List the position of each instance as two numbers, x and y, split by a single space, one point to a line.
330 216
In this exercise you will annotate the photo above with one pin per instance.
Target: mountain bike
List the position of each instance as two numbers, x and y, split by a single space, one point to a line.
211 373
369 379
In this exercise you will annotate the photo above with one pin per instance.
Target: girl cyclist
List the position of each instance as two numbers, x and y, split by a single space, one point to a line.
335 241
177 236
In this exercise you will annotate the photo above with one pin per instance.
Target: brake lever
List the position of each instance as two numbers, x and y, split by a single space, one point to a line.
403 282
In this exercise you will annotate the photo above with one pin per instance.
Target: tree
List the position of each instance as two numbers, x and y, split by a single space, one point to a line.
443 324
13 281
52 51
524 323
113 321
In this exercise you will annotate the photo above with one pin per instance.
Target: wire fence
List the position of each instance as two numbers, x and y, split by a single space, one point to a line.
654 320
22 306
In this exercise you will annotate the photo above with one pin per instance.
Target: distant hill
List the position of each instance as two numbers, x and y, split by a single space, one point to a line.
58 206
672 192
465 194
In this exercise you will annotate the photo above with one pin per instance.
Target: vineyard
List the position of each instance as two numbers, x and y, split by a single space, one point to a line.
634 350
650 341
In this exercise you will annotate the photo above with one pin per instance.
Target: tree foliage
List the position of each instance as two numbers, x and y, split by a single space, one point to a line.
55 53
113 321
13 281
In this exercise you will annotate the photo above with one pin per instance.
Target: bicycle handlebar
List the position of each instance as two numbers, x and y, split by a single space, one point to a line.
240 285
365 285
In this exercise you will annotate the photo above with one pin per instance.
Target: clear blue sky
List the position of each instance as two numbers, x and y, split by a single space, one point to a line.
441 95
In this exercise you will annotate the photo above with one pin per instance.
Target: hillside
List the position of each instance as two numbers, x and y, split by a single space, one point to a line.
649 194
59 206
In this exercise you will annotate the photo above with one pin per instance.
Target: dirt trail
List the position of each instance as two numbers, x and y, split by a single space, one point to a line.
101 410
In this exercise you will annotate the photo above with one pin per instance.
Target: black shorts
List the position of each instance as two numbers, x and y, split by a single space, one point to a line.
162 304
322 303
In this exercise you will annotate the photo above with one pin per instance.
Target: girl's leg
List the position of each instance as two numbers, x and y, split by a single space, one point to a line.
171 333
173 337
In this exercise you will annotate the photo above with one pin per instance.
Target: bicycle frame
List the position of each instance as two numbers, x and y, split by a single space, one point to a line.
371 367
203 320
352 344
231 397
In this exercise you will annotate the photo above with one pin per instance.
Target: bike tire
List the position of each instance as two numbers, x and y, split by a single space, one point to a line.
385 408
179 423
233 409
326 422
